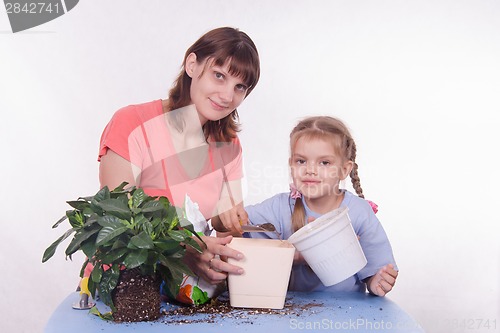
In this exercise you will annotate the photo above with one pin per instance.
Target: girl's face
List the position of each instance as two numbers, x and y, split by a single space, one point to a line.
317 169
214 91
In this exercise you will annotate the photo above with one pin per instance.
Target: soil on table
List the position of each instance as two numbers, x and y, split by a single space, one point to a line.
136 297
220 308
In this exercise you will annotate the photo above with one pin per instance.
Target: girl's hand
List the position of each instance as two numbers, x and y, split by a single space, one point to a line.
231 220
382 282
208 264
298 259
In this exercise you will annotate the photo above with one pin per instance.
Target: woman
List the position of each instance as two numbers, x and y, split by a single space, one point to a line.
188 143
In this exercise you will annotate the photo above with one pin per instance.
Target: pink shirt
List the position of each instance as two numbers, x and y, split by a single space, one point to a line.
139 133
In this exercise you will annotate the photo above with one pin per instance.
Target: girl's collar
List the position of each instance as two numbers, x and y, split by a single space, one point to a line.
313 214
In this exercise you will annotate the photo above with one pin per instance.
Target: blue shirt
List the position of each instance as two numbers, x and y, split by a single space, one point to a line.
373 239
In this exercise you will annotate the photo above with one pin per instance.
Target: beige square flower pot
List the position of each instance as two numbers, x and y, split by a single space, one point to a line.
267 265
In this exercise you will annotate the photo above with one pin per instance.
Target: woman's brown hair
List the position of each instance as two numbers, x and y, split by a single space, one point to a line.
220 45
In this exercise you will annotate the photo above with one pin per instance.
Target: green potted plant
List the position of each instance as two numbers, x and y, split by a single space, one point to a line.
132 240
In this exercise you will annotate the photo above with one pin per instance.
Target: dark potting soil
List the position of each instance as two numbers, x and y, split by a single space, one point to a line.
220 308
135 303
136 297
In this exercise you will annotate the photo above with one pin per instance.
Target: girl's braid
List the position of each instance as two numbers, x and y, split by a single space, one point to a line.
356 184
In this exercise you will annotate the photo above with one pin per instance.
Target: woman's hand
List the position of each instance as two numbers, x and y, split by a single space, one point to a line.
208 264
382 282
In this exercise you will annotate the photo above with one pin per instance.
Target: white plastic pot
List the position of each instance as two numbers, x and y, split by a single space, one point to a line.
330 247
267 265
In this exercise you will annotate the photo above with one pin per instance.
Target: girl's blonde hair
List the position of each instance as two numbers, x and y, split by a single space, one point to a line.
220 46
334 130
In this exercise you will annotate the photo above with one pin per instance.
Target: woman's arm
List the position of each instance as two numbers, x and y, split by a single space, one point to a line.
114 170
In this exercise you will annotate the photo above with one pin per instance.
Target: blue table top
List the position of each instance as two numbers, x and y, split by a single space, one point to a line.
303 312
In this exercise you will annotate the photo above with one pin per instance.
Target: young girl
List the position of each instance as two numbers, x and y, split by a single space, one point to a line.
323 153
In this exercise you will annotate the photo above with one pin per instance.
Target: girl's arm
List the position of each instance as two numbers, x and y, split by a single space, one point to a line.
230 216
230 213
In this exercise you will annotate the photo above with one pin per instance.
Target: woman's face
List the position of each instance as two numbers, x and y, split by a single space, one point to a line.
214 91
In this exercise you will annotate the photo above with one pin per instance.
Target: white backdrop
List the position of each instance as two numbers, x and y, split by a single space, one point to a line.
418 82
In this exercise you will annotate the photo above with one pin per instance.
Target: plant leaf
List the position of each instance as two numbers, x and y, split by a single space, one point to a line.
142 241
105 316
138 197
115 207
108 282
89 248
114 256
193 244
79 204
173 222
148 228
49 252
75 218
176 266
95 207
59 221
171 213
120 189
96 274
178 235
167 244
156 222
81 236
136 258
108 233
90 220
165 202
152 206
82 270
110 221
171 287
92 287
103 194
118 244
